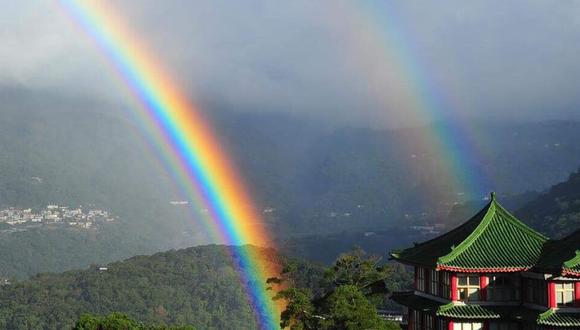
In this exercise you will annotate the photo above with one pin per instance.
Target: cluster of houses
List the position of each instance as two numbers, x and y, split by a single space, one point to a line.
492 273
19 219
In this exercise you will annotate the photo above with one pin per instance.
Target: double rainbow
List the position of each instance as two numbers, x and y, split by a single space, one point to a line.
187 144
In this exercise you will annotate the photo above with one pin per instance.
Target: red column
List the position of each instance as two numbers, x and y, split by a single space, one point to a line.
483 281
577 294
552 295
454 287
485 325
450 325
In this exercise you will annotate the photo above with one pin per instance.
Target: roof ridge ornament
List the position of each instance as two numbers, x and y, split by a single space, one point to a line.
493 196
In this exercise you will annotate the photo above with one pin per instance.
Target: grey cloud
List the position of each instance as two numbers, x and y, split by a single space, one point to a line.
324 59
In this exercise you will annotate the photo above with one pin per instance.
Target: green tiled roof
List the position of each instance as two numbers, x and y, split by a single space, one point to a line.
474 311
456 311
561 256
572 266
492 240
559 319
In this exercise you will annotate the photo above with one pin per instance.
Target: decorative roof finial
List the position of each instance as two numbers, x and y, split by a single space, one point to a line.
492 195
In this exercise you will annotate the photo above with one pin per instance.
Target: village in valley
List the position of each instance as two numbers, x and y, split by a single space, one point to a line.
17 220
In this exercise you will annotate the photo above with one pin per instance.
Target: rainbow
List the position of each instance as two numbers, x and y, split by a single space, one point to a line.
379 28
185 141
188 147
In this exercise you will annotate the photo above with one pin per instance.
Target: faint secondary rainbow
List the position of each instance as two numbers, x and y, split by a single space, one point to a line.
427 97
187 144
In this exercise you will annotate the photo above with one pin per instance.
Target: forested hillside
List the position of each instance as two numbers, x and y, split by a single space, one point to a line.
557 211
27 253
196 286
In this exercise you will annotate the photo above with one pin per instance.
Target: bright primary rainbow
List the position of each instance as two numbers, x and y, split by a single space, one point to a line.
187 144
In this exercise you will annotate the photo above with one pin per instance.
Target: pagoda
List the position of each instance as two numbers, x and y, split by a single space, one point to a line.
493 272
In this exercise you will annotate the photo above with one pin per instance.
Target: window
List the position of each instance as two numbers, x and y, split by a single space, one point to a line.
421 279
565 294
467 326
429 322
445 285
417 324
536 292
434 287
503 326
468 287
503 288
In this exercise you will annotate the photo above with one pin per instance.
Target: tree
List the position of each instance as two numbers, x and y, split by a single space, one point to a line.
358 269
300 312
347 308
115 321
347 303
118 321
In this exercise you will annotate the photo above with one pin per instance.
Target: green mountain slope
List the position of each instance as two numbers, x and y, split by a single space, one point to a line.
557 211
54 250
196 286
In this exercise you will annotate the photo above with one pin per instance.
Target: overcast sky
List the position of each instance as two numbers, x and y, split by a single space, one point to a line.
365 62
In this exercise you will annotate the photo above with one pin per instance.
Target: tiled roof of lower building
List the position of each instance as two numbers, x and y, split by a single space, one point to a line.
561 256
551 317
463 311
457 311
556 318
491 241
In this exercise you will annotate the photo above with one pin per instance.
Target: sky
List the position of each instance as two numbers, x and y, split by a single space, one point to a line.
346 61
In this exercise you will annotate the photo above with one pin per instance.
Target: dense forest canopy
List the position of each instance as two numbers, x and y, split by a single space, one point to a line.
196 286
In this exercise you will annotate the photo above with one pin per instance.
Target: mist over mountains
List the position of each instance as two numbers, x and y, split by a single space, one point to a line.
309 174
